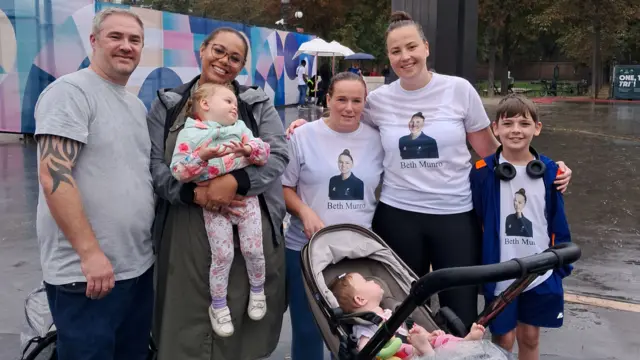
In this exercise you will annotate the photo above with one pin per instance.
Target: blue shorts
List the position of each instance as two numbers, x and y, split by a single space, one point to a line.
542 306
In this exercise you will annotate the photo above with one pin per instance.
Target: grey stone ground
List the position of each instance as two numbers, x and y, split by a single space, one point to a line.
601 143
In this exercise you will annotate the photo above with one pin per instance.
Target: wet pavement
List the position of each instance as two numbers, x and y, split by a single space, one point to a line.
601 144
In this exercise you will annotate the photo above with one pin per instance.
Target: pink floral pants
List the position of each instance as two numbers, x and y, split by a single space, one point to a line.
220 233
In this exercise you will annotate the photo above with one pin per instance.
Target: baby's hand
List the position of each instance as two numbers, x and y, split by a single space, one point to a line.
209 153
240 149
417 329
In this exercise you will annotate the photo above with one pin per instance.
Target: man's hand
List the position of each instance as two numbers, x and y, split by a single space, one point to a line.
99 273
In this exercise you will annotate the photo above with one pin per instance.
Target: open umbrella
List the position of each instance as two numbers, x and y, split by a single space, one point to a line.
319 47
360 56
345 50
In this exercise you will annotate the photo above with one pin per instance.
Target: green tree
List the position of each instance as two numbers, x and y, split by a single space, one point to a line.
364 27
321 17
507 33
589 30
250 12
176 6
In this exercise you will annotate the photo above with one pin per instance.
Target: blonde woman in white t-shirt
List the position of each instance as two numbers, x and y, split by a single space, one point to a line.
426 212
315 196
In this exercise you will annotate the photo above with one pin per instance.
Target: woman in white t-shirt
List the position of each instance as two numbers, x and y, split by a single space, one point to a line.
425 212
315 196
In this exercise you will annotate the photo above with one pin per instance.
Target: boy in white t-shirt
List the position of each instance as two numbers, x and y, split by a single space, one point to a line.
518 183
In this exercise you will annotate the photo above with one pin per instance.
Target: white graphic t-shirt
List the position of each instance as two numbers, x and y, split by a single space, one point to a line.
424 132
301 71
336 174
523 224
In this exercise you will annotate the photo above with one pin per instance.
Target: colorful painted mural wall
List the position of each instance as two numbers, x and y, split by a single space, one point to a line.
41 40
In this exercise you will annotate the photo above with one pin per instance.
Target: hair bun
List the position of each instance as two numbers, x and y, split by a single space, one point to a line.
397 16
346 152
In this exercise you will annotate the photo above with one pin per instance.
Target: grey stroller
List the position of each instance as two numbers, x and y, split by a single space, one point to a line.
344 248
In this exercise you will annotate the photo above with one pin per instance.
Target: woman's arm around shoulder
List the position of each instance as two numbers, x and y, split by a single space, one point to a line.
483 142
476 121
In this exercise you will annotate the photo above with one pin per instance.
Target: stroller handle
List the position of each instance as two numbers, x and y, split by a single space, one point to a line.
444 279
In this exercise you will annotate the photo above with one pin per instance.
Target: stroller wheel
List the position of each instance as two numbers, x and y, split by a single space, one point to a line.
446 318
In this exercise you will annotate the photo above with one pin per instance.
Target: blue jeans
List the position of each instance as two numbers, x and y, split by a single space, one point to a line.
306 340
302 89
117 326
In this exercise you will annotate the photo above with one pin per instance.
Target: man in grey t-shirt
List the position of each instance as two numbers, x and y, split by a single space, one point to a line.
96 202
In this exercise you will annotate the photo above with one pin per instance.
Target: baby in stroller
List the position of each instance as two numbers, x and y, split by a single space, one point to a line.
356 294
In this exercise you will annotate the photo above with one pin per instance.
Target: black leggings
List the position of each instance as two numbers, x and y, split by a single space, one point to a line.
441 240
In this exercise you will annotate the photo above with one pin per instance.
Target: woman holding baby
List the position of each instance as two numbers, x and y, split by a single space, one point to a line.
250 314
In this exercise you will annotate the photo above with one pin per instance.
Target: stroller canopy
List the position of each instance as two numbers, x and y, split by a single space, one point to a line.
338 242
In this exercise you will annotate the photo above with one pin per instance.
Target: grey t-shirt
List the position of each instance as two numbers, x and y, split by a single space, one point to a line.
112 175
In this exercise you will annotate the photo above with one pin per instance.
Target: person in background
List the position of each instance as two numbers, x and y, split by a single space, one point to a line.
96 202
385 71
301 73
323 86
355 68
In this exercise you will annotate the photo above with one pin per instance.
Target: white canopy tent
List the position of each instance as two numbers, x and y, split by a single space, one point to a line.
345 50
318 47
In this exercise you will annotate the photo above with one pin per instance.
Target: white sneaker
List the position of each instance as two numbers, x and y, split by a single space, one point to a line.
221 321
257 305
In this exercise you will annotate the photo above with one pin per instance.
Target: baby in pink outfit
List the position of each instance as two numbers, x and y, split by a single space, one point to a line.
212 143
356 294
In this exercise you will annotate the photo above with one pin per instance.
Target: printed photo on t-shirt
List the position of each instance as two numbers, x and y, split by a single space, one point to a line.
417 145
346 186
516 224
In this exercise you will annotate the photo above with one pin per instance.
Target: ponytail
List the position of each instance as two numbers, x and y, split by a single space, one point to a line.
189 108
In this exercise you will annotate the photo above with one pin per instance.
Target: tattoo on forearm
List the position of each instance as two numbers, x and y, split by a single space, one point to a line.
60 155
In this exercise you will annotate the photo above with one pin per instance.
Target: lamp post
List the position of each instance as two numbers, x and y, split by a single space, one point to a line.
298 15
284 11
